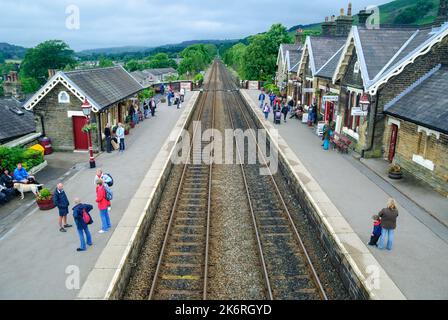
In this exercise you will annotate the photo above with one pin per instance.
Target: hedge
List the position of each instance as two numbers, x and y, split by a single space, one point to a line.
9 157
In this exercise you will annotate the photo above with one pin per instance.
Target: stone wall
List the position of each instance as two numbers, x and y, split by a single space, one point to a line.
407 146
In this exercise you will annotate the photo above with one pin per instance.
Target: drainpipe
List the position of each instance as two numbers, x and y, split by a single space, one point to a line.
41 117
99 133
374 126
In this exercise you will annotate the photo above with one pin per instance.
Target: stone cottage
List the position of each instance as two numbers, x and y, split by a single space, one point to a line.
57 105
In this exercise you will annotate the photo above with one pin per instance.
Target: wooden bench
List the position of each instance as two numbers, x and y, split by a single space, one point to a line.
341 142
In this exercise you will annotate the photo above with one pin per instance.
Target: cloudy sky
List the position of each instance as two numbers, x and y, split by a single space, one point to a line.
110 23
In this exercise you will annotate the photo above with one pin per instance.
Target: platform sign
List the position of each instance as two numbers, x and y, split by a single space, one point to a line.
305 118
320 128
253 85
330 98
358 111
186 86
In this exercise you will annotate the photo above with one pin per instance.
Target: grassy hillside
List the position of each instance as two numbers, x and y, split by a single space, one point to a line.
417 12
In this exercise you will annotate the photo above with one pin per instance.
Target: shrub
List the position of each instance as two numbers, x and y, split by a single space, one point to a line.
44 194
9 157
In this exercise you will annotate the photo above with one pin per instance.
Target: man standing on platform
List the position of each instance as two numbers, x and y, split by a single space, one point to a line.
60 200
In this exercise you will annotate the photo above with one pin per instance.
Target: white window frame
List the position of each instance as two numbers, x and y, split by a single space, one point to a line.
60 100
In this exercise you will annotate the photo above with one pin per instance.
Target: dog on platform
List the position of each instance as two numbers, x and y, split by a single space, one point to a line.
22 188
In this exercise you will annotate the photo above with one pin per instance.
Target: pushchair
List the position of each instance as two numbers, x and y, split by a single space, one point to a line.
277 117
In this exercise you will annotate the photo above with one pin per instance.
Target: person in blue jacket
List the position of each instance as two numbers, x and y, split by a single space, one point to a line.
22 176
60 200
81 225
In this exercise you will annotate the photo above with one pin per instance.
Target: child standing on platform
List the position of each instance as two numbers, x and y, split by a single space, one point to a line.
376 233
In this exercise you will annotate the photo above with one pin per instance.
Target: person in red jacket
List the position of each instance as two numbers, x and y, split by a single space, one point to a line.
103 206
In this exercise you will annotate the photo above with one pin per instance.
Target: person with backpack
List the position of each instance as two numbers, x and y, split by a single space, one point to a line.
261 99
266 110
103 194
285 111
106 177
82 217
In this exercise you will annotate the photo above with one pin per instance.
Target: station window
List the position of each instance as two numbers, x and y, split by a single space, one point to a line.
63 97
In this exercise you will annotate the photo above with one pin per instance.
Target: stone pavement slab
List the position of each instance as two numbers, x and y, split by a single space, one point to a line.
418 263
37 259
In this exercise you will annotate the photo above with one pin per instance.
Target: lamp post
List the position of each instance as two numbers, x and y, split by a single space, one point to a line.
86 110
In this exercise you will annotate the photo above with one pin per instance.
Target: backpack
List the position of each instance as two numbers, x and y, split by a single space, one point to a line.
109 193
110 183
86 217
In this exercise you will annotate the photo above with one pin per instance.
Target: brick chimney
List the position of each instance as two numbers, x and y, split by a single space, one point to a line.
12 86
363 15
329 27
442 15
344 22
51 73
299 37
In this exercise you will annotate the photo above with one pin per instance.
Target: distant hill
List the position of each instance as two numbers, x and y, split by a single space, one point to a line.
398 12
9 51
113 50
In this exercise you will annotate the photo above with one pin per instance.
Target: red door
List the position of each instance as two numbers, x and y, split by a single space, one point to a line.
81 142
393 142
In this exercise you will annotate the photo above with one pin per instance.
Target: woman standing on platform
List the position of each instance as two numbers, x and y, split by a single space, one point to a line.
388 217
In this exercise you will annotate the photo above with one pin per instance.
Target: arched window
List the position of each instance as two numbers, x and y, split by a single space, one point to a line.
356 68
63 97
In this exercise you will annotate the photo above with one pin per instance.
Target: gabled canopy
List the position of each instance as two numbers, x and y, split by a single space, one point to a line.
102 87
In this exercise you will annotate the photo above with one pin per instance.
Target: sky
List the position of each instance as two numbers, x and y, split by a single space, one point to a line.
89 24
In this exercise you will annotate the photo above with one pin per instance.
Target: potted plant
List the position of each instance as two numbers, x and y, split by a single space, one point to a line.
127 128
45 200
395 172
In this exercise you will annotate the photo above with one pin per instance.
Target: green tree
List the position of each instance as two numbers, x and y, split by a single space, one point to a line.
132 65
161 60
261 54
196 58
104 62
51 54
2 57
29 85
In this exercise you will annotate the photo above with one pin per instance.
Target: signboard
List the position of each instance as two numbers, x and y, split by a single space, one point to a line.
330 98
320 128
308 90
305 118
186 86
357 111
253 85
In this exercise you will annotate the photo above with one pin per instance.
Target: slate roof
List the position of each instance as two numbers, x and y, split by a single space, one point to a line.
324 48
160 71
380 46
105 86
426 104
329 68
294 58
13 125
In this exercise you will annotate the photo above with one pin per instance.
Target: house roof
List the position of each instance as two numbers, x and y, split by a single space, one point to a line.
105 86
15 120
160 71
293 58
283 50
320 50
425 103
329 67
323 48
383 53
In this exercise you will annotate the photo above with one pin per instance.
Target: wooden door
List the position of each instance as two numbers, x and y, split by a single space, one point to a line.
80 138
393 142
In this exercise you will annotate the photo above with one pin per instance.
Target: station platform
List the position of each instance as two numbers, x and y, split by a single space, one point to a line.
38 261
417 264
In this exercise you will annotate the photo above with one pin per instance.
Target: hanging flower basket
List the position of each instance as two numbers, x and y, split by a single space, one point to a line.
89 127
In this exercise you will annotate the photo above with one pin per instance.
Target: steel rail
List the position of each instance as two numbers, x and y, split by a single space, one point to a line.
176 200
311 268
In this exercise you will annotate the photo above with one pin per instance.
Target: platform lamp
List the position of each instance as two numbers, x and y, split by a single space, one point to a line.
86 110
364 103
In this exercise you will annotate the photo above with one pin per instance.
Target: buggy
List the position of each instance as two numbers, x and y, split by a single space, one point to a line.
277 117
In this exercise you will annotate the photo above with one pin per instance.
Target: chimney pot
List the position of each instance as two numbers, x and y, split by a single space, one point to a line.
342 12
349 10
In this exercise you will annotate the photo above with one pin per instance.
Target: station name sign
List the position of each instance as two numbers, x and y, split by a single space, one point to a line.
330 98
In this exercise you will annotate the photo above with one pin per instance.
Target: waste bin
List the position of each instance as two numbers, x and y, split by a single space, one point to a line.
46 143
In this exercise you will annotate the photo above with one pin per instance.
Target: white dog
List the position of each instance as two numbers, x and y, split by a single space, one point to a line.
22 188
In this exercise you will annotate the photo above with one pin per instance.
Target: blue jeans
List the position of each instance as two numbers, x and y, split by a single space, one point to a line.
122 147
135 118
390 238
81 237
266 115
105 220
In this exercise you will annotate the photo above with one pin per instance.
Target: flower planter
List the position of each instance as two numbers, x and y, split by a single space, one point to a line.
126 132
45 204
132 125
395 175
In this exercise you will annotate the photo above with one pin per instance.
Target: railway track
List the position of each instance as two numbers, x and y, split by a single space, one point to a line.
288 271
182 268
